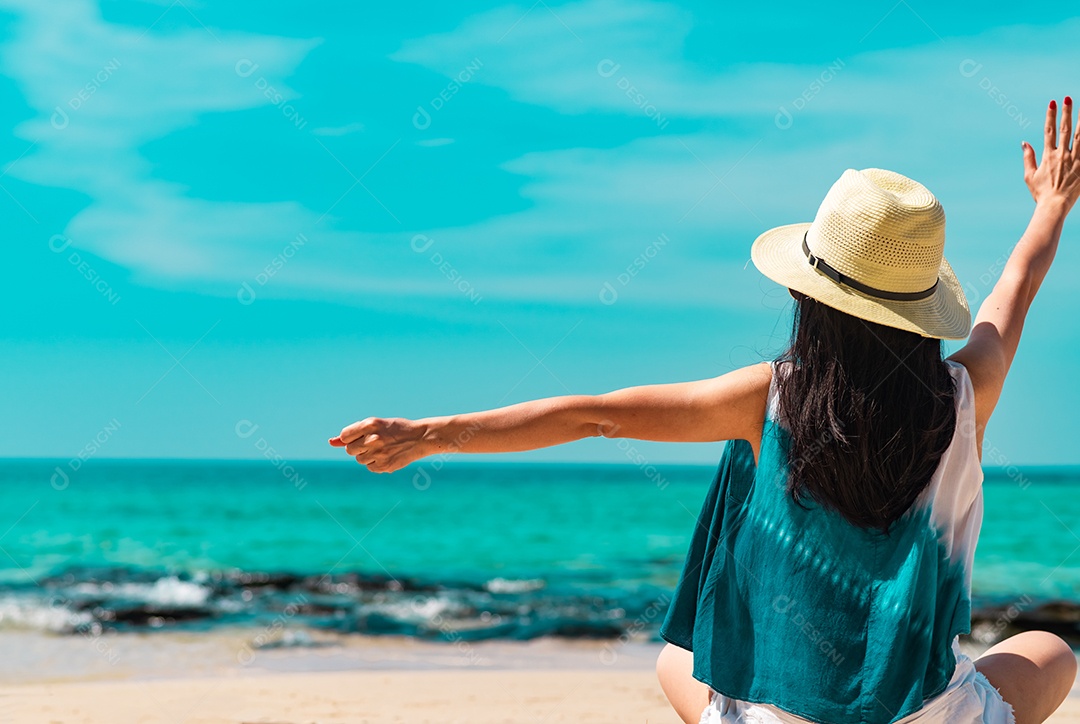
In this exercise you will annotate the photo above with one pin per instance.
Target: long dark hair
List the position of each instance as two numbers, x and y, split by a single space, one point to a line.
870 410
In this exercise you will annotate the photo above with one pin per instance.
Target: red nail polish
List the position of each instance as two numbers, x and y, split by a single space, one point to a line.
1068 100
1053 105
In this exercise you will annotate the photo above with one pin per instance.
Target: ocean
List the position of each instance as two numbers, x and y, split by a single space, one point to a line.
442 552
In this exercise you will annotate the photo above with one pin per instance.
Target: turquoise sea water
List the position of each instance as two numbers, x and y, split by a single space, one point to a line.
498 550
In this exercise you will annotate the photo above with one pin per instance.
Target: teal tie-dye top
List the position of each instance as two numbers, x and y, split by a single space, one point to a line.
790 605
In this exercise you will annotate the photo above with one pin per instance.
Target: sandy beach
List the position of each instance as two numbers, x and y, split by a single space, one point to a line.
429 696
218 678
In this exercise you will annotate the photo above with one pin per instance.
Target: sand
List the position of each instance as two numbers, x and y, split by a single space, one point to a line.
479 697
200 679
476 697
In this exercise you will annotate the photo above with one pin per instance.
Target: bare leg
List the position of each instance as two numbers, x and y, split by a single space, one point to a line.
1034 672
687 695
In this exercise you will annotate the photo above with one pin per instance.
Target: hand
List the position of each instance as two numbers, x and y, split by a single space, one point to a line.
1057 177
383 445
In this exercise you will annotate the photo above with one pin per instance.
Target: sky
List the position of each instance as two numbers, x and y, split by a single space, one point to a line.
233 228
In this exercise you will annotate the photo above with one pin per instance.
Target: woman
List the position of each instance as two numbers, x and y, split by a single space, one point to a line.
830 573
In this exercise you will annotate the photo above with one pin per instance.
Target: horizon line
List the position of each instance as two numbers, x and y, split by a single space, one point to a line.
987 469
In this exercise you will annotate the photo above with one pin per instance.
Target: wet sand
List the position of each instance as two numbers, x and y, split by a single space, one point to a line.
220 677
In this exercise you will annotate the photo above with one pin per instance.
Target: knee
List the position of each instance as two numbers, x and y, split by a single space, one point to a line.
673 662
663 661
675 670
1060 661
1034 671
1055 663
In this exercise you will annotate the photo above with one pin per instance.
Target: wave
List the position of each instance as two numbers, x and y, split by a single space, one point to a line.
87 599
79 599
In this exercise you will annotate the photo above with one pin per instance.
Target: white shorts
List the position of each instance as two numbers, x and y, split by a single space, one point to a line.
969 698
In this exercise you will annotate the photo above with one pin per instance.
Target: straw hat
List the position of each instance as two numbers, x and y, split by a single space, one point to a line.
876 251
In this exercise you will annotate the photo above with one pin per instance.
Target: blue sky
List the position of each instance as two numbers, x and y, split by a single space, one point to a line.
294 216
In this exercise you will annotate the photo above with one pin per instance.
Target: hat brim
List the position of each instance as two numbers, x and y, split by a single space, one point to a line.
944 314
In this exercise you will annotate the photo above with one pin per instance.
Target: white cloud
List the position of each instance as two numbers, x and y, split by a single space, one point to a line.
102 90
948 113
434 142
338 130
592 211
623 55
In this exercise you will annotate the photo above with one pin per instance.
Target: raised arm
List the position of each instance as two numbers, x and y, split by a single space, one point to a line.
1055 185
731 406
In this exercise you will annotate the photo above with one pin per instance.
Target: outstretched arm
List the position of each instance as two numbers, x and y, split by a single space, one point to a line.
731 406
1054 183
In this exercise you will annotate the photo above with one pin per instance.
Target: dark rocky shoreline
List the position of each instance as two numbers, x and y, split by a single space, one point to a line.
132 599
990 624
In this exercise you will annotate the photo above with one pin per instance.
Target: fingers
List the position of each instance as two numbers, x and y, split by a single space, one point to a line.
1066 122
1050 129
374 443
378 463
359 429
1076 137
1030 165
368 442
